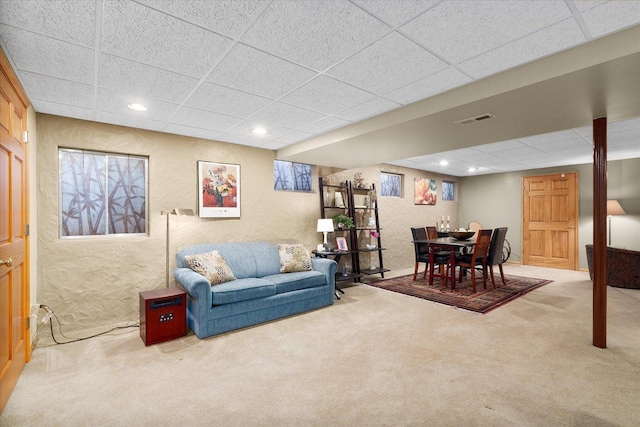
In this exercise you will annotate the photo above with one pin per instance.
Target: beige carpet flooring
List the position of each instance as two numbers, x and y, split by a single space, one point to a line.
374 358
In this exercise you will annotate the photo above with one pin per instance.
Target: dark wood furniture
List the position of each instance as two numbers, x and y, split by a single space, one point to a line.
340 275
477 258
447 244
359 210
623 267
496 253
163 315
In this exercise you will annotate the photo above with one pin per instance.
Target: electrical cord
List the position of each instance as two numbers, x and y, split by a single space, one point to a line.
51 314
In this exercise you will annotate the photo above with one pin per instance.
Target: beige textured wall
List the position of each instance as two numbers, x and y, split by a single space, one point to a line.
93 283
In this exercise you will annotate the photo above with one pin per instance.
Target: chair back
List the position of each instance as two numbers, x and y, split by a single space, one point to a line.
497 245
432 232
481 248
420 233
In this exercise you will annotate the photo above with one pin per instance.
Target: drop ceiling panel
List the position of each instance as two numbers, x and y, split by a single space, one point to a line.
220 99
325 125
191 131
368 108
611 16
327 95
287 116
293 137
227 17
62 91
246 127
428 86
273 78
195 118
134 31
388 64
140 79
117 102
40 54
58 109
70 21
129 121
397 12
314 34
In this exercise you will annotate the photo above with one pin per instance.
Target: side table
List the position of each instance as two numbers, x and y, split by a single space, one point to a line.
339 276
163 315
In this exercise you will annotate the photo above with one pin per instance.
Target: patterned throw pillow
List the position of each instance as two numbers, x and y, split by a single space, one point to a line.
212 266
294 258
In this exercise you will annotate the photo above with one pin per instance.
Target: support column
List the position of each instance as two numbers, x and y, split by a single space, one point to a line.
600 232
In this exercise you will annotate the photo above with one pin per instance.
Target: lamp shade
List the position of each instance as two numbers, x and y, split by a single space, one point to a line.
614 208
325 225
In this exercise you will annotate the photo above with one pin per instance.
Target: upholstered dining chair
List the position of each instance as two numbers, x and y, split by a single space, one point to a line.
422 252
478 258
495 256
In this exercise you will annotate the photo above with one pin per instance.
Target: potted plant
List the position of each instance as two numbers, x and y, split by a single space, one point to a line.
343 222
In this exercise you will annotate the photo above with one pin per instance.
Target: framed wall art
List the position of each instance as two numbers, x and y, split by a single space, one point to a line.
219 190
341 243
425 191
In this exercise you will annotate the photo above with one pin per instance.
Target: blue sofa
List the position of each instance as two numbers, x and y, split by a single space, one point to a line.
260 292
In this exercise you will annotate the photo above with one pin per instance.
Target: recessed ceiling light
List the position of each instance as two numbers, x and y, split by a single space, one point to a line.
137 107
471 169
443 163
259 130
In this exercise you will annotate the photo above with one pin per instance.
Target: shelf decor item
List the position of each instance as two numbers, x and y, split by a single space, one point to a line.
343 222
341 243
218 190
325 226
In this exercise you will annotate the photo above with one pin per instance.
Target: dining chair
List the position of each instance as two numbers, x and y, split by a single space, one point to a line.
477 258
422 252
495 256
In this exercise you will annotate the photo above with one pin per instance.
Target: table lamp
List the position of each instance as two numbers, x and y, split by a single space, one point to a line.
179 212
325 226
613 208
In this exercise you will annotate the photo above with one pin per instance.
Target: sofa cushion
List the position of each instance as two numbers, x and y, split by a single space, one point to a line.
295 281
294 257
212 266
241 290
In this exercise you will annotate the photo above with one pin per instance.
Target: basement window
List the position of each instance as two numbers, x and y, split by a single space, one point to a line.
448 190
102 193
390 185
289 176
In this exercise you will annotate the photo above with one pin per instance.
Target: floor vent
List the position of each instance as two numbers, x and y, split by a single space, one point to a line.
475 119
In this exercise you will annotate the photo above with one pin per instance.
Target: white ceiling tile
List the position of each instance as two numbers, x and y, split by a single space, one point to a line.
129 121
325 125
287 116
226 17
273 145
117 102
429 86
541 43
367 109
584 5
56 109
548 138
140 79
40 54
294 137
624 126
223 100
459 30
611 16
327 95
520 153
391 62
189 131
134 31
195 118
574 143
240 139
253 71
62 91
70 21
397 12
499 146
316 34
246 128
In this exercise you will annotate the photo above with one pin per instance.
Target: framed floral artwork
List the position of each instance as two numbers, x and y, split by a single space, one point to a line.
425 191
219 190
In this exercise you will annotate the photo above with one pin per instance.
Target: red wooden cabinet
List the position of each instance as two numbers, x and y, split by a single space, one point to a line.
163 315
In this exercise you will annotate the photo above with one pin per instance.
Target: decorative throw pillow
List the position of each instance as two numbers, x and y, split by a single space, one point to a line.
294 257
212 266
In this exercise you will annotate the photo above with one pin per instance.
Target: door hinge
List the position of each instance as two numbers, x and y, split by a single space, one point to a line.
26 230
28 321
25 136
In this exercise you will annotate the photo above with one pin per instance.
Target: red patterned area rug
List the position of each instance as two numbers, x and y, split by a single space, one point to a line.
483 301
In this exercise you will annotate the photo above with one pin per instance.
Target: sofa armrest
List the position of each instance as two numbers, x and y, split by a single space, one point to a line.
328 267
198 288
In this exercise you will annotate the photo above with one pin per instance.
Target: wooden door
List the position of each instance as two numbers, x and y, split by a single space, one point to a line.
14 275
549 229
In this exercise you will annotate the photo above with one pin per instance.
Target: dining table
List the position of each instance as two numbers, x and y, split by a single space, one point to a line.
447 244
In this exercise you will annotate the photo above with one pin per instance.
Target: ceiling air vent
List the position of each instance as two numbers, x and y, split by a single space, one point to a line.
475 119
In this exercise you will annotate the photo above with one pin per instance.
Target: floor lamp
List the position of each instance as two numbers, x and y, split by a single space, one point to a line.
325 226
179 212
613 208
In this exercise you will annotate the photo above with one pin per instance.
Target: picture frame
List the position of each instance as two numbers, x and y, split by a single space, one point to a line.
339 199
425 191
341 243
218 190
